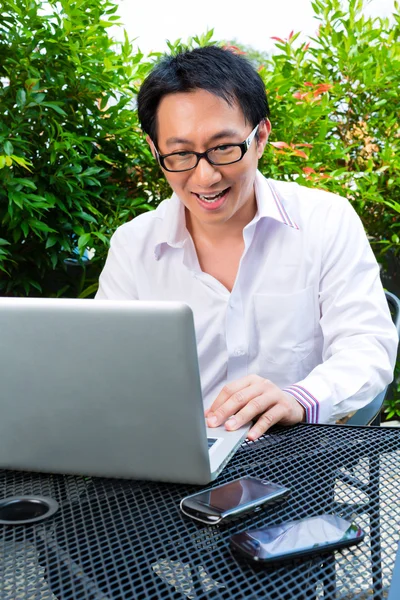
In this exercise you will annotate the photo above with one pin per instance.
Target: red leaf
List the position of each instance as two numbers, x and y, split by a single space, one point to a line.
279 144
300 153
323 87
300 95
308 84
279 39
306 47
304 145
291 34
308 170
234 49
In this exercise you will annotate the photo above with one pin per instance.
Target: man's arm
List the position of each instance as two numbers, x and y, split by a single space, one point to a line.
360 341
116 280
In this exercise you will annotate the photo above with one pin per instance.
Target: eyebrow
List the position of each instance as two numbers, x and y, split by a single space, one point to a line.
225 133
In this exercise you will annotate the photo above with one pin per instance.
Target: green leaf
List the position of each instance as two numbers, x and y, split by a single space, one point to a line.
85 216
84 240
103 238
38 98
25 228
8 148
104 101
104 158
21 98
24 182
40 226
17 198
92 171
55 107
54 260
89 291
36 285
4 242
92 181
20 161
30 84
2 161
51 241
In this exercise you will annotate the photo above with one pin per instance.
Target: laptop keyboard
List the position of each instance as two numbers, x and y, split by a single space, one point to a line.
211 442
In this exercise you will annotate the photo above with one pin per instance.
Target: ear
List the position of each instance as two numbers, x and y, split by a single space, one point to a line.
264 130
150 143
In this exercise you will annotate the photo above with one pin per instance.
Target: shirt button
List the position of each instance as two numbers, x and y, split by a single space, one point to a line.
239 352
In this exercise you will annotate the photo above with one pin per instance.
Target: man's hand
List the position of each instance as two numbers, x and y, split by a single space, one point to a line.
250 397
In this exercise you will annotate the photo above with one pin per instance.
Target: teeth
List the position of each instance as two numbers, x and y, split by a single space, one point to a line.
211 199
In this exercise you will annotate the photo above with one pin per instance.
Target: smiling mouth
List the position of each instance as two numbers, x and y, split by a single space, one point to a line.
210 199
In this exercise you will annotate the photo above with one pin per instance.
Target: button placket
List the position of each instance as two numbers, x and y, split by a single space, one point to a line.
236 338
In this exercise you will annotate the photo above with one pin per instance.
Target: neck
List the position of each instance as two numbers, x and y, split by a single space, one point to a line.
216 233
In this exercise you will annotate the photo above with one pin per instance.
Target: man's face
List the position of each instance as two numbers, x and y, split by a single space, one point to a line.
197 121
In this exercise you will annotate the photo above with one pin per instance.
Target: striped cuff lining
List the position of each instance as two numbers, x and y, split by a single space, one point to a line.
307 400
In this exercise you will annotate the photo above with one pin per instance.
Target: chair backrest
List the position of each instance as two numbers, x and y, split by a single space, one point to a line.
394 305
370 414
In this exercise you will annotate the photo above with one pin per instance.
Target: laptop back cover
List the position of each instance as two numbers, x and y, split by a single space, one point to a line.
101 388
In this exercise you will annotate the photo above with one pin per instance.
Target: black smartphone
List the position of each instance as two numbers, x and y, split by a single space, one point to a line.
293 539
231 500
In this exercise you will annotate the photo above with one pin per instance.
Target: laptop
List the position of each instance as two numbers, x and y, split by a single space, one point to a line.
105 388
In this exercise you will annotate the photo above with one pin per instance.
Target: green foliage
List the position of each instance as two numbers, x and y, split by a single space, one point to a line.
335 113
73 163
256 57
392 403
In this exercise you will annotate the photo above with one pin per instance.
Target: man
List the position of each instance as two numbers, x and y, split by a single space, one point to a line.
291 320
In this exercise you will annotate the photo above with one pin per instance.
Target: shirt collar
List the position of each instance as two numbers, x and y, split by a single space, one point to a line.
269 205
270 202
173 230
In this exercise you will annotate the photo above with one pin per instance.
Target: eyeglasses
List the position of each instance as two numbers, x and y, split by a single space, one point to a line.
226 154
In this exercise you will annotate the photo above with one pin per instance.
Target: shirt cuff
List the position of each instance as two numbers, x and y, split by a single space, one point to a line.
315 394
307 400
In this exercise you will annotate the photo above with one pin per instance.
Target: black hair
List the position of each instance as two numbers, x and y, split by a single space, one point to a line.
217 70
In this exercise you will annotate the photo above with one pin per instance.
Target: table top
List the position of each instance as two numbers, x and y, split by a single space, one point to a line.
127 539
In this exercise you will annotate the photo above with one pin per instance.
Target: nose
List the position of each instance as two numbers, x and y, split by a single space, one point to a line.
205 175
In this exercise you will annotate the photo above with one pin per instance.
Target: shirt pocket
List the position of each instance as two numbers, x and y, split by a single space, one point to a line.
285 326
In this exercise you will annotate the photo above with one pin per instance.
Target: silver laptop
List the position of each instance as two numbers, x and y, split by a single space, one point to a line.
105 388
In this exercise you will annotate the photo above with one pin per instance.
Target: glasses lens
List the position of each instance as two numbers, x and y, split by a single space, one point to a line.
180 161
223 155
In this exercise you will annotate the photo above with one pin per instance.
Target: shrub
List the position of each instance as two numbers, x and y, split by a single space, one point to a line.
68 133
334 105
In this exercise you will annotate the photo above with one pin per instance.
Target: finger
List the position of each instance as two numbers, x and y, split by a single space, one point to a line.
234 403
266 420
258 404
231 388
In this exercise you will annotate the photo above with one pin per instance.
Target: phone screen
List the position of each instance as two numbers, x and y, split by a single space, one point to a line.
297 537
237 493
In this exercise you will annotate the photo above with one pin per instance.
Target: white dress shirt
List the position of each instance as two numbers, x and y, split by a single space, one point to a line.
307 310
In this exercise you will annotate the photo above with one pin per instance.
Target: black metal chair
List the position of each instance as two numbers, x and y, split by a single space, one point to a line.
371 413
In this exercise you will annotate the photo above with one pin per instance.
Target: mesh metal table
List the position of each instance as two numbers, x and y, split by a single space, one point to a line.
115 539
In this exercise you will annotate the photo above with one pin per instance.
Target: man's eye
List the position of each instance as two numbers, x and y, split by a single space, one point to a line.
226 148
183 154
